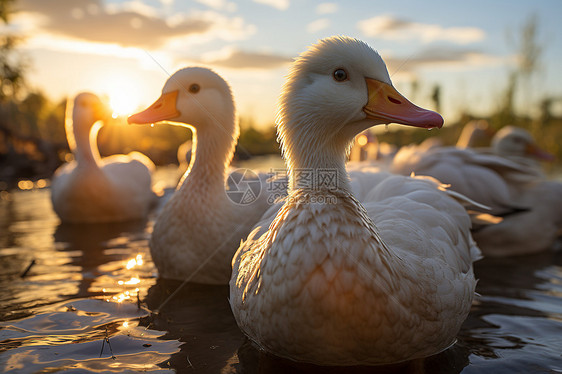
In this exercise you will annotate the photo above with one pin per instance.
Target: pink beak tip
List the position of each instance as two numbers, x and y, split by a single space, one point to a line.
432 120
439 120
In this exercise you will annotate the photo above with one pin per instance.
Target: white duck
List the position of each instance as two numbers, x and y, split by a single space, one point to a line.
505 177
328 280
92 189
534 227
517 144
473 134
200 227
537 224
184 155
484 176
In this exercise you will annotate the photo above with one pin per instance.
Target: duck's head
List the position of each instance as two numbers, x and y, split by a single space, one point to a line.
336 89
195 97
515 141
86 109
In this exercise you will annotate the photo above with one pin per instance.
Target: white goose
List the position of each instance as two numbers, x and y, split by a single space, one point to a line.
328 280
200 227
92 189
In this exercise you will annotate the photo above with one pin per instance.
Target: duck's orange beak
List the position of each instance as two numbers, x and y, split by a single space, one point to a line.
161 110
388 105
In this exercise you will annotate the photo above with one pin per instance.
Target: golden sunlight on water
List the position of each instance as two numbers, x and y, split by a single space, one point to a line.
133 280
134 262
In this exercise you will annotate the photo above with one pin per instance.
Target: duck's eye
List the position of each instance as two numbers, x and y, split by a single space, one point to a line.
340 75
194 88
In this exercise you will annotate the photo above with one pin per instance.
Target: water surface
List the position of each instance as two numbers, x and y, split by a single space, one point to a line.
91 302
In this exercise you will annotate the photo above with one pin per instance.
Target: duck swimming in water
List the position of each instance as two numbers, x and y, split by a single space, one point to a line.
95 189
328 279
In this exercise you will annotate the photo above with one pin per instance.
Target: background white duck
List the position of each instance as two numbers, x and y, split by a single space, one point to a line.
184 155
485 176
535 227
476 133
328 280
95 189
368 148
200 227
517 144
506 177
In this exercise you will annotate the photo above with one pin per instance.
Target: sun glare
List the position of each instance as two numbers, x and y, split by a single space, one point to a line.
123 92
122 102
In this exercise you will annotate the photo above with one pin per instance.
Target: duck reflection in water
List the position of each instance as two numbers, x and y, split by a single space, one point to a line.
200 316
91 246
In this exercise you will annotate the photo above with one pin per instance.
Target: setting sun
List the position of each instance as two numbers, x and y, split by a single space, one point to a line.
122 90
122 104
122 101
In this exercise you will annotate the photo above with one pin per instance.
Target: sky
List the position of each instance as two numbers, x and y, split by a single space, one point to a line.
127 49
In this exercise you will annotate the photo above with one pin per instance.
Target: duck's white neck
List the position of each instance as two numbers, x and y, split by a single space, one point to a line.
83 144
212 152
316 162
318 172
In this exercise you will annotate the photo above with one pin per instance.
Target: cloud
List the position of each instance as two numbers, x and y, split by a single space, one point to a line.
429 58
439 58
319 24
327 8
278 4
237 59
392 28
133 24
219 5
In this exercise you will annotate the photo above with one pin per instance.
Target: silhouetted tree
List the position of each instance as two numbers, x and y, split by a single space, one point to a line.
12 66
436 97
529 50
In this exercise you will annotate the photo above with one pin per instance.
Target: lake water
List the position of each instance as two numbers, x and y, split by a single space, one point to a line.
91 302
